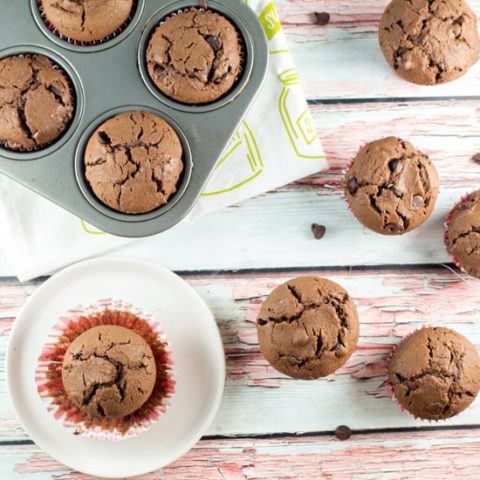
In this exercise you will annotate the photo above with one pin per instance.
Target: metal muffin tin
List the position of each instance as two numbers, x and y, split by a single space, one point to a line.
110 78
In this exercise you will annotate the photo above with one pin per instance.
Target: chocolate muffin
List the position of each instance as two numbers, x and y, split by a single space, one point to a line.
109 371
391 187
87 21
429 41
463 234
194 57
133 162
435 373
36 102
308 327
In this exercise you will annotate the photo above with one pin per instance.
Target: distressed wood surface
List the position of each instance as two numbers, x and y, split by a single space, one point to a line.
355 98
273 230
430 455
391 304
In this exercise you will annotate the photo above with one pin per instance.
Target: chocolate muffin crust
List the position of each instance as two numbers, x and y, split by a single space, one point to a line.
133 162
109 371
463 234
36 102
435 373
391 187
87 20
429 41
308 328
194 57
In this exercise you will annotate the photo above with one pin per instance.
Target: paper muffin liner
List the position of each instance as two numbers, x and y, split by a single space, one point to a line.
48 374
57 67
203 7
86 44
448 219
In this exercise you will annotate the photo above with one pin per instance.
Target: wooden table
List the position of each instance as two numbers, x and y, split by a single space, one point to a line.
271 427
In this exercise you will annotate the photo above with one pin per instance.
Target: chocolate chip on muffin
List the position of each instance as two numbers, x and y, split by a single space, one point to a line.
308 328
134 162
194 57
36 102
435 373
429 41
391 187
463 234
87 20
109 371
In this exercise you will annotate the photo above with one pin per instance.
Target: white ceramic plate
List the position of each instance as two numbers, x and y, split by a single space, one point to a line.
197 352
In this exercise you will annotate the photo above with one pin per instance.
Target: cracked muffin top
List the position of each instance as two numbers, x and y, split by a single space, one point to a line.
429 41
36 102
463 234
134 162
391 187
109 371
435 373
194 57
308 328
87 20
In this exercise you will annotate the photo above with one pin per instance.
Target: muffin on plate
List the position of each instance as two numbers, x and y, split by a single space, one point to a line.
36 102
308 328
195 56
435 373
106 371
391 187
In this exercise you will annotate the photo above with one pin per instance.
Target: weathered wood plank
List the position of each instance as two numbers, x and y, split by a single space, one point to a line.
256 233
391 304
343 59
435 455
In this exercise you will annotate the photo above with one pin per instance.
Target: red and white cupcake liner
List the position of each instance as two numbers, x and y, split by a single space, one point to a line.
49 381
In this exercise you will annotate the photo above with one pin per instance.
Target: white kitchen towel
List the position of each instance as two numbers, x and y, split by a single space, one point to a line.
275 145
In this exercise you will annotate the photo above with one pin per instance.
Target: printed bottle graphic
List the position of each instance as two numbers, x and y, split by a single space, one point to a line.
296 118
240 164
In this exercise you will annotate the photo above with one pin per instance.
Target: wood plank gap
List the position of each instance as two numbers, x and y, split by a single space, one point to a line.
354 101
359 268
329 433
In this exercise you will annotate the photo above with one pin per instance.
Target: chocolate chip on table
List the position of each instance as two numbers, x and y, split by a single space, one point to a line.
343 432
322 18
352 186
318 231
476 158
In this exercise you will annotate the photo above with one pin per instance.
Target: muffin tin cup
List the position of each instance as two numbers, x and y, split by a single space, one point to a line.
246 70
86 47
100 206
72 418
79 98
111 77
